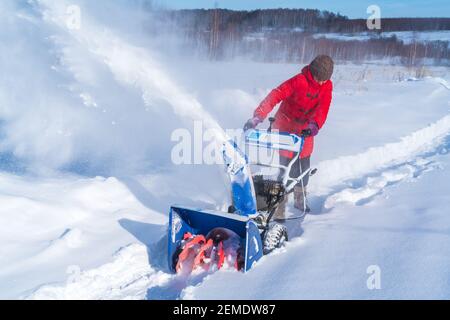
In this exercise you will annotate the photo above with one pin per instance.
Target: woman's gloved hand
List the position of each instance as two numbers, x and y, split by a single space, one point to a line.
252 123
311 130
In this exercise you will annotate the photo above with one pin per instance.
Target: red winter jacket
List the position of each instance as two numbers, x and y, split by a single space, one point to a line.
304 100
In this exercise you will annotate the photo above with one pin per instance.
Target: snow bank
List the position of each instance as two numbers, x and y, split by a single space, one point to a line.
130 266
49 225
336 171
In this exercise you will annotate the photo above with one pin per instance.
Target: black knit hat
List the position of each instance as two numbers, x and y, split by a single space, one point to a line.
322 68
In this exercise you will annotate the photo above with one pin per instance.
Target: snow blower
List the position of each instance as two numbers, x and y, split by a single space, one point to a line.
209 239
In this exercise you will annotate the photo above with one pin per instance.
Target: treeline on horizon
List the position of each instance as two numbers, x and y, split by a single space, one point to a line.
287 35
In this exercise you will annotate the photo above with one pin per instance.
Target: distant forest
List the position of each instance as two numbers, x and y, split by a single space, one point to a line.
291 35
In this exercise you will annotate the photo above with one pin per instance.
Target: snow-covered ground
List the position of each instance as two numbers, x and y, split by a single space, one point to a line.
87 181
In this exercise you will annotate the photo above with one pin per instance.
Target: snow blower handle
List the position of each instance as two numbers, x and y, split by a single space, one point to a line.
271 121
306 133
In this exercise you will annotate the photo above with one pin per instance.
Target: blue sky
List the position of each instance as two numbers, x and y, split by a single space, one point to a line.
351 8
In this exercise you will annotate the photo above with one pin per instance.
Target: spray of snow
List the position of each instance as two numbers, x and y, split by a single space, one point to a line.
99 98
132 66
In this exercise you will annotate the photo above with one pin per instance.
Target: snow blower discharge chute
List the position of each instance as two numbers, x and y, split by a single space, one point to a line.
210 240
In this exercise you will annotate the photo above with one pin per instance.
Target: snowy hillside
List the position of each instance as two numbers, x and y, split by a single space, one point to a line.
86 180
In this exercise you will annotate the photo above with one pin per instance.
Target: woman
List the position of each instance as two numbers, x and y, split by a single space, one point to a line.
305 102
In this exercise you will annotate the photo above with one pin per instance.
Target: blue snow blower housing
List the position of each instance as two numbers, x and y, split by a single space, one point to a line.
195 221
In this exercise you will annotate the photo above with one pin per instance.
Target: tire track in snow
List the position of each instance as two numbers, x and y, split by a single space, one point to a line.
374 186
443 82
365 175
334 172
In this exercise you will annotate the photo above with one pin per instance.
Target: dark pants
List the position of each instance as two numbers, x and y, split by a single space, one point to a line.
299 166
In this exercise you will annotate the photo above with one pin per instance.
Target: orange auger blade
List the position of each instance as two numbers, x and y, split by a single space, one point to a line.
187 236
221 255
204 252
189 248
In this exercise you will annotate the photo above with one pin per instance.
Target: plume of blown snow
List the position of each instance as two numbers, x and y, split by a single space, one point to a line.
92 99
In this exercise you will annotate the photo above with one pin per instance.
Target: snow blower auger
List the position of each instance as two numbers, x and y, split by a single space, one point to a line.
240 237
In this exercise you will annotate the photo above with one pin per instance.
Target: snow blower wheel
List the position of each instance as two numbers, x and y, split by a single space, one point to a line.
275 237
